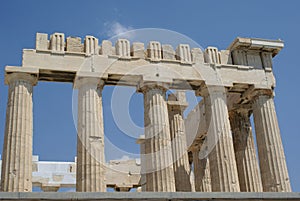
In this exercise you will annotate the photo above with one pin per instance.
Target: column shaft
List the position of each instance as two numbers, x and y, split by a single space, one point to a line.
201 172
143 167
159 172
192 180
223 171
90 139
179 150
17 150
274 173
245 154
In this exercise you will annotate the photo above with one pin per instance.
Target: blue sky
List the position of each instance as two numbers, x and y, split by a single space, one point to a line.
209 23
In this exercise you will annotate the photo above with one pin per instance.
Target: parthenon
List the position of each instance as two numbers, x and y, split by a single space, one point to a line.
214 142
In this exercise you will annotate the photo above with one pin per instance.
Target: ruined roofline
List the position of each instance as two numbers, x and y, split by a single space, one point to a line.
154 50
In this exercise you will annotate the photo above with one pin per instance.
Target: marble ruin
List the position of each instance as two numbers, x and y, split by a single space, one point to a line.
50 176
233 83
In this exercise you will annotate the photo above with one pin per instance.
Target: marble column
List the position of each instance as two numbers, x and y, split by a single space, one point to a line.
16 173
158 153
141 142
192 179
219 144
274 173
90 139
176 105
201 172
245 153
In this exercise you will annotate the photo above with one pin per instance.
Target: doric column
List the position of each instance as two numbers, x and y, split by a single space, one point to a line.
176 105
274 173
192 179
245 154
17 150
219 144
201 172
158 153
141 142
90 139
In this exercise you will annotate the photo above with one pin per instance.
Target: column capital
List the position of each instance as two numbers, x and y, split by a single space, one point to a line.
258 93
241 109
177 101
209 90
143 86
195 148
13 73
88 78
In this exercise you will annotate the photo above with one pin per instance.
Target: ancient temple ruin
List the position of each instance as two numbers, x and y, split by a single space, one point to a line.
233 83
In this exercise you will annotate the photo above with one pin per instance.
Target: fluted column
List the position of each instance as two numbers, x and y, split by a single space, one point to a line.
274 173
176 106
141 142
90 139
245 154
223 171
201 172
192 180
17 150
159 166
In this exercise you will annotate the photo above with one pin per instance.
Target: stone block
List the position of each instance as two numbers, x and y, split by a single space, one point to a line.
41 42
225 57
106 48
154 50
168 52
183 53
266 58
91 45
239 57
254 59
113 50
73 44
138 50
57 42
212 55
197 55
123 48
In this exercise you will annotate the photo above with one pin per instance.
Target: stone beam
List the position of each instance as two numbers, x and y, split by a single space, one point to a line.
128 72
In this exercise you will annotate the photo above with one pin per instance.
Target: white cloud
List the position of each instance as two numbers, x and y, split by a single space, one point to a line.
115 28
125 158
